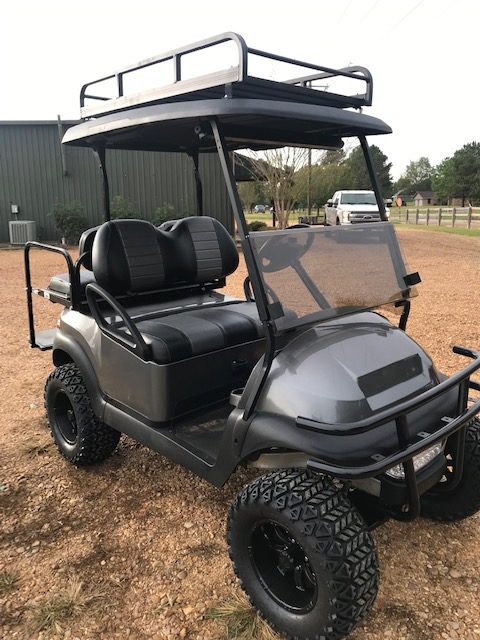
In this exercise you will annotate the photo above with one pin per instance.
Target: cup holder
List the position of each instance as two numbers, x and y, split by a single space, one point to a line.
235 396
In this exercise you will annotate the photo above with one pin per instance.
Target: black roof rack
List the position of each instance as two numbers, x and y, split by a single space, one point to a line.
232 82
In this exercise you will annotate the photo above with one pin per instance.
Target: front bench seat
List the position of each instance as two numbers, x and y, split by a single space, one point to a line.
195 332
132 256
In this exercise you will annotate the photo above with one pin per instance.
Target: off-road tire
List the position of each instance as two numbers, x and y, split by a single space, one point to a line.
334 539
464 500
88 440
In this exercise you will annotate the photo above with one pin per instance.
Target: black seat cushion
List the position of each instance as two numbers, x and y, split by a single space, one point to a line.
85 245
191 333
208 250
61 282
133 256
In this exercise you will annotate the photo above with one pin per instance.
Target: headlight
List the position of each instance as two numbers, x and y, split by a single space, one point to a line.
419 461
345 216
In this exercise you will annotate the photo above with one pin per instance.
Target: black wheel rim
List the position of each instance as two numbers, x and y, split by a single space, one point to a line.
65 418
283 567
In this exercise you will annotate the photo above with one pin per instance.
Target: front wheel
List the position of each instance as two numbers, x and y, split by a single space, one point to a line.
464 500
303 555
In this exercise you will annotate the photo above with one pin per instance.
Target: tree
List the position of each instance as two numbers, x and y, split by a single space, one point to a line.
277 169
459 176
251 193
334 156
358 177
443 183
325 180
466 168
416 177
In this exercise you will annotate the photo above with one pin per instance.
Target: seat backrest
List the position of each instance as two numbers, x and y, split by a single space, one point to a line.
208 249
85 245
133 256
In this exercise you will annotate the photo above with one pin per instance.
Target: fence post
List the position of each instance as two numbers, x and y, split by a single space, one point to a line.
469 217
440 217
416 216
454 215
428 215
407 216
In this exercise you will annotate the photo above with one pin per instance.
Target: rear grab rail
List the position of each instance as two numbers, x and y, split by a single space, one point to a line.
72 274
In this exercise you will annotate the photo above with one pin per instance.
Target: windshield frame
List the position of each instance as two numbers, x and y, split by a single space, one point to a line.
266 311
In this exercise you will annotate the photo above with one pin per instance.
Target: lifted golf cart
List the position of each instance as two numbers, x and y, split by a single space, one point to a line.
348 416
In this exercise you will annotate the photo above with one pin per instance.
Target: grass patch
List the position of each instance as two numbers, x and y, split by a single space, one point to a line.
59 606
241 620
8 581
459 231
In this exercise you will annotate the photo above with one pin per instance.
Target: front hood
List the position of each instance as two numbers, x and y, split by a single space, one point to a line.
345 370
359 208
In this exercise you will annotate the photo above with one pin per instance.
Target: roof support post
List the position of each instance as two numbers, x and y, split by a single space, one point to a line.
198 182
253 271
100 155
62 147
373 177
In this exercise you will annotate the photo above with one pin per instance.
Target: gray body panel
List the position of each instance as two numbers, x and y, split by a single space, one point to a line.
340 372
327 373
317 375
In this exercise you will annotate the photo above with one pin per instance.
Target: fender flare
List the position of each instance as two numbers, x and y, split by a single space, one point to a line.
67 350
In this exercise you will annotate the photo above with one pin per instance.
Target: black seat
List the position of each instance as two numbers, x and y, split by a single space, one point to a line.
203 330
134 256
60 283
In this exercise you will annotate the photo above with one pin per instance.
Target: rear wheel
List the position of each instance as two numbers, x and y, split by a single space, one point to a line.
80 437
303 555
464 500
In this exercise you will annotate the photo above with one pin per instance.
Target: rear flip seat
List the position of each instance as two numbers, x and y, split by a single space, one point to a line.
132 256
60 283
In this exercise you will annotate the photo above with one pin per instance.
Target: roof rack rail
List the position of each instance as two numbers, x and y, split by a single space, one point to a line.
227 83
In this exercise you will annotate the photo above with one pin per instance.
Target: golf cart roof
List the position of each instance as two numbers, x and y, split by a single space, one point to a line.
253 112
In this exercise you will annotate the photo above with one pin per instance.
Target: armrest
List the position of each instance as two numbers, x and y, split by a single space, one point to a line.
136 343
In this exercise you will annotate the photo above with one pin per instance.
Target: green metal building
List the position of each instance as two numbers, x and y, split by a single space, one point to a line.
36 173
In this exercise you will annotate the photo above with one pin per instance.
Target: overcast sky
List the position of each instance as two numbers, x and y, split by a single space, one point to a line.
423 55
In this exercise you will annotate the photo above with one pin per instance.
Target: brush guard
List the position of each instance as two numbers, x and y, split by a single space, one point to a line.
408 447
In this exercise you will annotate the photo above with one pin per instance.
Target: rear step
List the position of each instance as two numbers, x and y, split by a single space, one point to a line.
44 339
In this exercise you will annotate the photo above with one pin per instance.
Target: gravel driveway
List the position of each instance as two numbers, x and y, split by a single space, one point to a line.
138 542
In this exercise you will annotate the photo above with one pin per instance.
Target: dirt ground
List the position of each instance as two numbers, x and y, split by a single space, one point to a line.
137 543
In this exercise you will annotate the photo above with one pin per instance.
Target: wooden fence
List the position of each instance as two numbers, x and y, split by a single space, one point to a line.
466 217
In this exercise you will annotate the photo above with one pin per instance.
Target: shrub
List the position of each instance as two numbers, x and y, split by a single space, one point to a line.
122 208
166 212
257 225
69 221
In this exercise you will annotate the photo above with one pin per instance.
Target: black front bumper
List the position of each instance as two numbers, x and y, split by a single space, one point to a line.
408 446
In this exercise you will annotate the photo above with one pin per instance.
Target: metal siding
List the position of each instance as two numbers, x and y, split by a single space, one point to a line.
31 176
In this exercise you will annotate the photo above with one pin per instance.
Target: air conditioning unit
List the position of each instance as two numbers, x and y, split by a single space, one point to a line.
21 231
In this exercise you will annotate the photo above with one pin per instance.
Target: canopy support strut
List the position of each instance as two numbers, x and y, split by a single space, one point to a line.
100 155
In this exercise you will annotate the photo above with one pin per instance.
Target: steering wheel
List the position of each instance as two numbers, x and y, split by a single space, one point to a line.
280 251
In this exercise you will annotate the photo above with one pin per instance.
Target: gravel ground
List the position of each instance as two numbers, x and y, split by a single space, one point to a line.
139 542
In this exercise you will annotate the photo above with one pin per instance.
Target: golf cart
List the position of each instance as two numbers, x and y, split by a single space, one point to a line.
347 416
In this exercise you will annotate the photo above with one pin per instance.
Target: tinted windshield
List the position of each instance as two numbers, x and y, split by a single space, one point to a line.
358 198
315 273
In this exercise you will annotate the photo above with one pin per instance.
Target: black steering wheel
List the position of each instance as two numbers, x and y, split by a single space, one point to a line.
282 250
